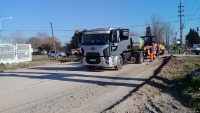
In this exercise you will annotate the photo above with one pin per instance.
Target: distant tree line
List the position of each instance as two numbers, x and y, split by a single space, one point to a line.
42 42
193 37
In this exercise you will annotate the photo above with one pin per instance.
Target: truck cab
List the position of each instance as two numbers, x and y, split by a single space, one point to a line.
102 47
106 47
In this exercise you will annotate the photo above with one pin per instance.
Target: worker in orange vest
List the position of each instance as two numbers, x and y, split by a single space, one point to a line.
151 53
187 46
154 52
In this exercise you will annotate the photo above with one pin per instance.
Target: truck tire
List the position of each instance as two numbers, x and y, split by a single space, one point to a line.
91 67
197 53
119 63
140 58
76 54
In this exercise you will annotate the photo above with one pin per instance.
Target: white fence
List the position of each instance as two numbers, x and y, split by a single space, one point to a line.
10 53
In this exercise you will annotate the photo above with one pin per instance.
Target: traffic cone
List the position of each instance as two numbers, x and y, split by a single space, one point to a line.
186 52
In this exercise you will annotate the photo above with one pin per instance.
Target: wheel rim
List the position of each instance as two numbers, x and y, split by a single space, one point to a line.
119 63
141 59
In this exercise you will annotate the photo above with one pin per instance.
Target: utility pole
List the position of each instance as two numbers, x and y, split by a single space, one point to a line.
181 24
54 47
198 33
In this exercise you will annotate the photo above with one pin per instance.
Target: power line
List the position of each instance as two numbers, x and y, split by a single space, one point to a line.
40 29
196 10
186 4
192 7
122 26
37 30
194 13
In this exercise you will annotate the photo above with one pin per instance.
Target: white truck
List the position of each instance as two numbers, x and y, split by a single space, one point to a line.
196 49
110 47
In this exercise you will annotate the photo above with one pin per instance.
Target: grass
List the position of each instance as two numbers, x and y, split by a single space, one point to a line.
2 66
188 88
33 63
176 51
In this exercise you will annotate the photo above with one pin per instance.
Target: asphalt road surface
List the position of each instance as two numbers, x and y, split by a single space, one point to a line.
70 87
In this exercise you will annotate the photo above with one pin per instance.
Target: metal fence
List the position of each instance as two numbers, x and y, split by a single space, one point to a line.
10 53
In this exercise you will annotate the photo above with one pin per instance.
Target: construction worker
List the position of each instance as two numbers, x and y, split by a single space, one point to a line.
155 49
151 53
187 46
158 50
179 49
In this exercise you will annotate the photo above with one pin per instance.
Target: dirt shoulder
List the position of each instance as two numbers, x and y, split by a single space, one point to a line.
70 88
155 95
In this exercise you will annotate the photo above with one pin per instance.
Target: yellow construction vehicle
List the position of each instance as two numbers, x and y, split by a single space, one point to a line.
148 41
78 35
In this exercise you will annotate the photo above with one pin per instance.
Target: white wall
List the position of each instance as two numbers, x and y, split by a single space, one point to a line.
15 53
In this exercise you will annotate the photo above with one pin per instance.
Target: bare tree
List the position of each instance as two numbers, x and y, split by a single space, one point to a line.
168 31
45 39
6 39
44 42
133 33
18 37
157 28
35 42
58 44
47 44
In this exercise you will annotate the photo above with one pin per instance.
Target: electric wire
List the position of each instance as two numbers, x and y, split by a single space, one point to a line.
122 26
193 14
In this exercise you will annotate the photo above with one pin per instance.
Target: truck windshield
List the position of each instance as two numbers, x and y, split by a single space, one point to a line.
146 40
95 39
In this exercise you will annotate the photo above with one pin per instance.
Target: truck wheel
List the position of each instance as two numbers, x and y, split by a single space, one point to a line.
140 58
91 67
76 54
119 63
197 53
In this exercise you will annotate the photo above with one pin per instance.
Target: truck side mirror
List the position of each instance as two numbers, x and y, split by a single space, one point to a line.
111 36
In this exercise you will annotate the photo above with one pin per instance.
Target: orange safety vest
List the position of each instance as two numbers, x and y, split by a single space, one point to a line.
155 48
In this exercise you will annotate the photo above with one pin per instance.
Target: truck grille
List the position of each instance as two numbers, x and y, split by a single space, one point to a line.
93 58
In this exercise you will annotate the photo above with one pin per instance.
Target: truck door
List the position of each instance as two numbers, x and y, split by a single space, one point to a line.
120 41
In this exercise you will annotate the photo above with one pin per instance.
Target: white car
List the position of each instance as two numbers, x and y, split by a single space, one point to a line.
71 52
58 53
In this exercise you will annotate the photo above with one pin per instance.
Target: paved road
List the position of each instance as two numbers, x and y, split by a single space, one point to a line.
69 87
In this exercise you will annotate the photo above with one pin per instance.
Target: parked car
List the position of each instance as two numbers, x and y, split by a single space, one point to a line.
196 49
71 52
58 53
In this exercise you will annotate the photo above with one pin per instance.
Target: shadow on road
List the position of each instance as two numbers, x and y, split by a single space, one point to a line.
76 66
102 80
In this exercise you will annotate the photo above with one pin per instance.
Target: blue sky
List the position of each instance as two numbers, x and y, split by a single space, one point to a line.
33 16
